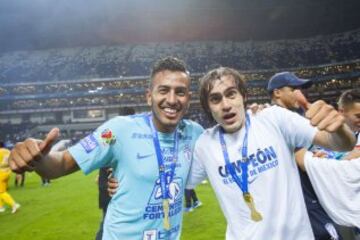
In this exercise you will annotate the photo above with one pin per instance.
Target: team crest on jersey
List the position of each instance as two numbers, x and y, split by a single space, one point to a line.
107 136
187 152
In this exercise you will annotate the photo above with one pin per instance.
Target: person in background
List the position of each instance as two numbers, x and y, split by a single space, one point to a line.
191 200
282 89
5 172
19 180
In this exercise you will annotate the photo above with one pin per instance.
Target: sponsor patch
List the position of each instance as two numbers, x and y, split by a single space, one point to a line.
89 143
150 234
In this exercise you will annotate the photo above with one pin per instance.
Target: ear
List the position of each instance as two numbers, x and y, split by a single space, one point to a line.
148 97
276 93
188 103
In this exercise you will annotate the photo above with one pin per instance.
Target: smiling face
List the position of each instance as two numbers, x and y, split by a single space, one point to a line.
226 104
168 98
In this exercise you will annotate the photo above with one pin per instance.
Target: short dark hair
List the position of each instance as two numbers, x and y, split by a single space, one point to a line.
169 63
207 84
2 144
348 98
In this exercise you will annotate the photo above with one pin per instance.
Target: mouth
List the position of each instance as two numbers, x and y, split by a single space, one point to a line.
229 118
170 112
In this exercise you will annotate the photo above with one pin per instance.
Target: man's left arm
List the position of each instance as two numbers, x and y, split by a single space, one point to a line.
333 132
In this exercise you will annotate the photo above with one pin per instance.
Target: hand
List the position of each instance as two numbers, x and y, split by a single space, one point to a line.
321 115
320 154
112 186
25 155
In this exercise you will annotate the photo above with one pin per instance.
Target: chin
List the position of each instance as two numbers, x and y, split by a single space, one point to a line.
230 129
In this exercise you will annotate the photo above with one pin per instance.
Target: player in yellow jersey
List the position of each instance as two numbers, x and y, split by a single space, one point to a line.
4 179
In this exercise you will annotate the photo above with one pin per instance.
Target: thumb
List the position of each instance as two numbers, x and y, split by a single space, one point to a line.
301 99
49 140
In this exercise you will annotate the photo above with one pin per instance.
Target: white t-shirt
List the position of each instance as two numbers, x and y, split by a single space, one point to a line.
337 185
273 176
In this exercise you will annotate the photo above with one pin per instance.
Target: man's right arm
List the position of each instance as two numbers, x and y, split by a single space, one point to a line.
35 155
56 164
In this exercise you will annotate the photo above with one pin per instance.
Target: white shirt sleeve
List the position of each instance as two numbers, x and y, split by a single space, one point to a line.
337 185
197 171
296 129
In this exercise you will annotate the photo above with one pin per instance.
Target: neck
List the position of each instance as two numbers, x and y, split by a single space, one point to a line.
161 127
278 103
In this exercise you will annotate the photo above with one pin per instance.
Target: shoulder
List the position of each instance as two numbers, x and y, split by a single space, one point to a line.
275 114
209 134
120 122
191 126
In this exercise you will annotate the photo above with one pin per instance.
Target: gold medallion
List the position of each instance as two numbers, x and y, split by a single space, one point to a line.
166 209
255 215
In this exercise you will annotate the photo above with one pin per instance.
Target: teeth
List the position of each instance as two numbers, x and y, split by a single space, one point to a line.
170 110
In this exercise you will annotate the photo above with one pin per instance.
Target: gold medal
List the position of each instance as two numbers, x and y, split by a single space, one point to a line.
255 215
166 209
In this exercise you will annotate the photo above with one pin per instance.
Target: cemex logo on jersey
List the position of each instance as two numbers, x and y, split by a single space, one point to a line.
260 161
154 208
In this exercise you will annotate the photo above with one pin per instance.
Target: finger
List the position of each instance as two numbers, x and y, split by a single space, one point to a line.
13 166
112 180
32 146
321 115
314 109
337 123
21 164
113 184
49 140
328 120
301 99
111 191
321 111
319 154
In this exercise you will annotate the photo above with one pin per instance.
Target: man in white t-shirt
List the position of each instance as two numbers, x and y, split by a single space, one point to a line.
249 160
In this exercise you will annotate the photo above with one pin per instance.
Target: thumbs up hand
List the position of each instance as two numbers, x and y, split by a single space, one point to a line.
25 155
321 115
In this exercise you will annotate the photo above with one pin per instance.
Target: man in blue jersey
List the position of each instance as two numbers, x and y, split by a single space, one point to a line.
150 155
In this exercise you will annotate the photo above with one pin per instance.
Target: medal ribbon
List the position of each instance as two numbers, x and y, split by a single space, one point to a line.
164 184
243 182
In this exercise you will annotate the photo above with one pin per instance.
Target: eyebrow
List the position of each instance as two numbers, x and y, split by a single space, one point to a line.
226 90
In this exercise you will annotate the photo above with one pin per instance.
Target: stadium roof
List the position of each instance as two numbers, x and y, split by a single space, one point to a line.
42 24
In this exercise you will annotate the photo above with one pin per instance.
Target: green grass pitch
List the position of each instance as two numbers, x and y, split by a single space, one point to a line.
68 209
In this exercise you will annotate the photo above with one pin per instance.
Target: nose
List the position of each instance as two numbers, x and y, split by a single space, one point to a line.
171 97
226 105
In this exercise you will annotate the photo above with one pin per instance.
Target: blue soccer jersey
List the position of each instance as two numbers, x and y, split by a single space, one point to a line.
126 145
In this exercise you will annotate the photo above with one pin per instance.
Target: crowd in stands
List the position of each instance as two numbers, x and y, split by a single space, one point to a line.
326 89
116 76
135 60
